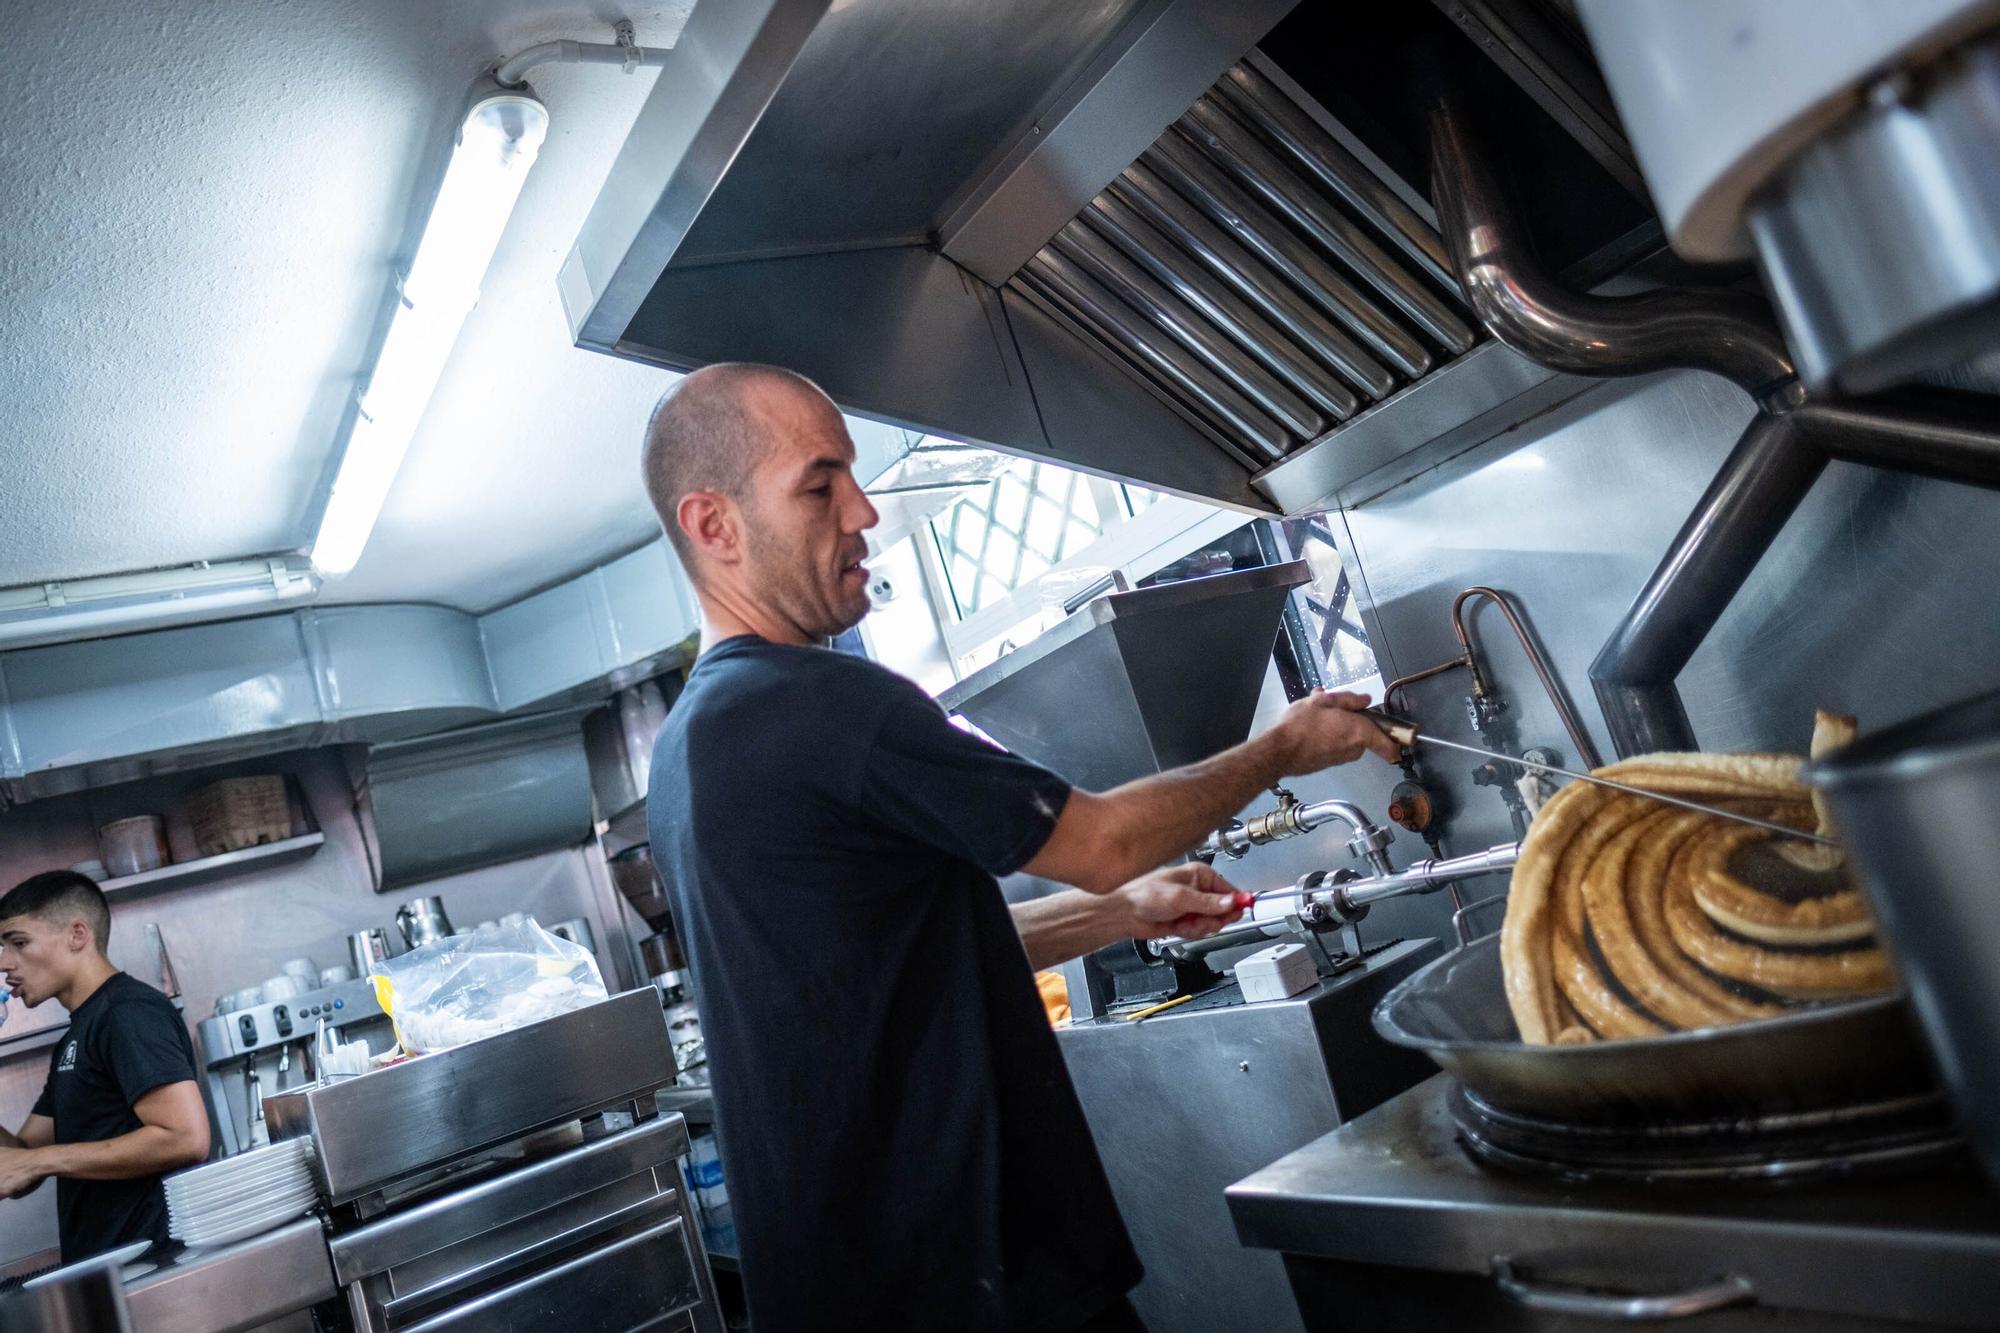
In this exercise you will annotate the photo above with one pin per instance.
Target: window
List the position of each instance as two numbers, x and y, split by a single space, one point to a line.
1324 617
1032 518
990 556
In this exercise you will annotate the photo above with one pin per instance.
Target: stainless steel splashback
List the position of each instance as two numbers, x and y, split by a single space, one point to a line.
1874 599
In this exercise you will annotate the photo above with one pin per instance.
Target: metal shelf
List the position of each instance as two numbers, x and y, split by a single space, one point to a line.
208 869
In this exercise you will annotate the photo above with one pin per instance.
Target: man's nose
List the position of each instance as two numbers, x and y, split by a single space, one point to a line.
862 514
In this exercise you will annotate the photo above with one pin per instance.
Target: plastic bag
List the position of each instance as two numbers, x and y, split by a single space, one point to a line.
493 980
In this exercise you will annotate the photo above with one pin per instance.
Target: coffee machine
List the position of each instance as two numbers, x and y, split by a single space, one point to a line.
255 1052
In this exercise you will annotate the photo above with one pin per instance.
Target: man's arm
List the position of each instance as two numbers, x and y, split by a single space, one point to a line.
1190 901
173 1133
37 1131
1105 840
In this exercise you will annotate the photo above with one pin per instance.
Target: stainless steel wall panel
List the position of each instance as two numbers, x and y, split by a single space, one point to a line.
1096 256
1152 251
1232 145
1873 599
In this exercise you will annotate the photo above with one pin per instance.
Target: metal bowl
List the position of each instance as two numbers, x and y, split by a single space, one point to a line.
1455 1011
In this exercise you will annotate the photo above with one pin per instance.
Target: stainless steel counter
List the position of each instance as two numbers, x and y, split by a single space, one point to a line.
390 1124
229 1287
1391 1203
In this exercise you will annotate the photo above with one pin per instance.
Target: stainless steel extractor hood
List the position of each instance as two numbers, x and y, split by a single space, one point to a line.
1117 235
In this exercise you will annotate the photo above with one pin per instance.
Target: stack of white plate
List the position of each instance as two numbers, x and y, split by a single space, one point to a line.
241 1196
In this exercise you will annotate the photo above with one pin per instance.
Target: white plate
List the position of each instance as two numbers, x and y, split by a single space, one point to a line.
223 1186
243 1232
230 1197
207 1216
262 1198
285 1150
249 1205
239 1181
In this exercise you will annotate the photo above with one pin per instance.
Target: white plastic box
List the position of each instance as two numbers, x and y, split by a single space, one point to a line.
1276 972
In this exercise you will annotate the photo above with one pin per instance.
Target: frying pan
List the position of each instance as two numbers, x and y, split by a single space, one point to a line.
1846 1054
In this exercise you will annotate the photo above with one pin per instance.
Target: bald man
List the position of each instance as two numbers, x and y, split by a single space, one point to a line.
901 1142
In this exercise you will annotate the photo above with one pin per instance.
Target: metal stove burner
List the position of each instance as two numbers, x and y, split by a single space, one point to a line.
1803 1145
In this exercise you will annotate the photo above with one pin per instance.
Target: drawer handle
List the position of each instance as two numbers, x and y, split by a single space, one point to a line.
1717 1295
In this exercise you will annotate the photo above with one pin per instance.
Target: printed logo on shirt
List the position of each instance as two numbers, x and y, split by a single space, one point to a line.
68 1061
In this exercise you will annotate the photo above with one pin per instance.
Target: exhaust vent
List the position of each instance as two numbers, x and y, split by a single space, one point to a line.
1255 274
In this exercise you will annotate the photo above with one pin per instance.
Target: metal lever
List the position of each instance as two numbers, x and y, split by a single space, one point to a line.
1718 1295
1405 733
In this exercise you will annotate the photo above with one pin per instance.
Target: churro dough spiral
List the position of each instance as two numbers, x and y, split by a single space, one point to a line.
1630 918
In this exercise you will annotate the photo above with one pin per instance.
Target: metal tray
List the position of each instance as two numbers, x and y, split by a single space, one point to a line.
1455 1011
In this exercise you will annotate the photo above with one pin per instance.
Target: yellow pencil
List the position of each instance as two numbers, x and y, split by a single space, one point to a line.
1154 1009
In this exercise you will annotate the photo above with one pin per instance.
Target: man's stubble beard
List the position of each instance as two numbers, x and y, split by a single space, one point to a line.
790 584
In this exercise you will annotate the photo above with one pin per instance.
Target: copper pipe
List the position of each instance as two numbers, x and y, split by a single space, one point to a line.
1586 751
1389 694
1468 657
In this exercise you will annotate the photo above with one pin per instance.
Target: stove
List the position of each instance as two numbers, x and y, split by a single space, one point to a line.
1884 1136
1873 1218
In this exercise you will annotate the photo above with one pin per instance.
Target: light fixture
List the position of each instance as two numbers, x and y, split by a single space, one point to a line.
496 145
43 613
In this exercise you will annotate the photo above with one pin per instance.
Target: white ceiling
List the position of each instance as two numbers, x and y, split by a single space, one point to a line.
204 205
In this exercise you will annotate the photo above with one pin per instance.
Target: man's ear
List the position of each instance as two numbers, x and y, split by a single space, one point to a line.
711 524
80 938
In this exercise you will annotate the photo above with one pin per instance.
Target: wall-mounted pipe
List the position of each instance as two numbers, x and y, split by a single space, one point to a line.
513 71
1726 333
1762 482
1737 518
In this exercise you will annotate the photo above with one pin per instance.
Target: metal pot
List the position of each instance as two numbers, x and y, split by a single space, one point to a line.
1455 1011
1918 806
422 921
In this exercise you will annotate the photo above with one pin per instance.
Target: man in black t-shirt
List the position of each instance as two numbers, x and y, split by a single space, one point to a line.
121 1107
901 1142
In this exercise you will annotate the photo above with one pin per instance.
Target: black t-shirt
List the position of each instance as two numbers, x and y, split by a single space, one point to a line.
123 1042
899 1137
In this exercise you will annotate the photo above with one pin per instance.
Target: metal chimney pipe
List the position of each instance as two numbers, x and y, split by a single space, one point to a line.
1726 333
1759 486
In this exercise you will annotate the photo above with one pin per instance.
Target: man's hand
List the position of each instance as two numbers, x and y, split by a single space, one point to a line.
1323 729
1190 901
20 1172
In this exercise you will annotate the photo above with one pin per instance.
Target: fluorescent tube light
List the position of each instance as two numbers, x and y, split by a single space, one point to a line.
497 143
45 613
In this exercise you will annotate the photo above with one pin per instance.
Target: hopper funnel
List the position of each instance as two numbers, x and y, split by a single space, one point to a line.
1135 682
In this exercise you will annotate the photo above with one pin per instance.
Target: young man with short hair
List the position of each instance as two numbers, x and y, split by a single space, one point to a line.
121 1108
